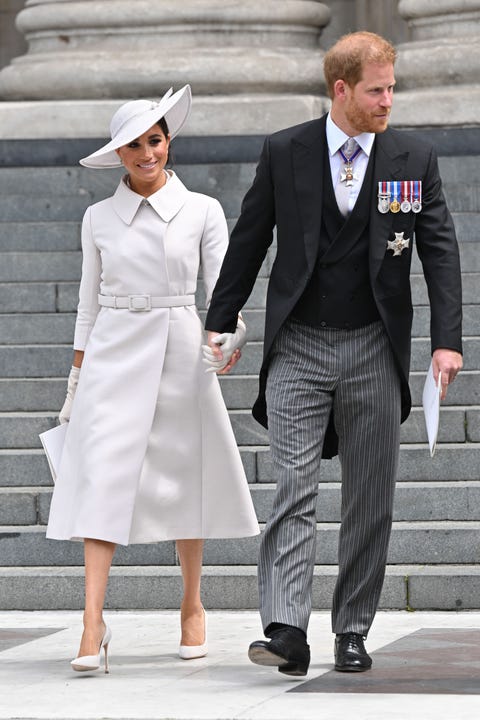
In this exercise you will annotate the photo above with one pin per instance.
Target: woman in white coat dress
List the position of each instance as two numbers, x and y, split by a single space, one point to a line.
149 453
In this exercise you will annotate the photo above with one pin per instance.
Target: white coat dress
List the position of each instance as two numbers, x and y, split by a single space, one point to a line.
149 454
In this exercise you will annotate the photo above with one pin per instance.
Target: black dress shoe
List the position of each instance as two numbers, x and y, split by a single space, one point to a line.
287 649
350 653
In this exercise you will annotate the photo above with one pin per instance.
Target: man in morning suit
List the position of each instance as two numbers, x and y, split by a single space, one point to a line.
334 377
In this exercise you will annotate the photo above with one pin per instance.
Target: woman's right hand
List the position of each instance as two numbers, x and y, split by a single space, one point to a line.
66 410
224 349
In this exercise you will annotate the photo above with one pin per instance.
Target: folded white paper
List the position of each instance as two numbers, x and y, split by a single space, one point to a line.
53 441
431 407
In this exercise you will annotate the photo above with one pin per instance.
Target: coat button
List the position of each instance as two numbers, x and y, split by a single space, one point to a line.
323 323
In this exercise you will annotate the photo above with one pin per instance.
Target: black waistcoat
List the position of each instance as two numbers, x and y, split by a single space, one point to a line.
338 293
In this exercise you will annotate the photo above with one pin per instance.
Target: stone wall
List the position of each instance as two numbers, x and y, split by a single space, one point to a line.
254 67
12 42
346 16
380 16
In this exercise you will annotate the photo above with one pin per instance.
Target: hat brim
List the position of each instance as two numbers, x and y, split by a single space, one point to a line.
174 108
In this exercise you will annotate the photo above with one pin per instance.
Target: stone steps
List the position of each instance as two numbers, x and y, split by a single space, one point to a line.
63 193
19 292
435 552
453 462
57 328
35 235
462 198
42 296
458 425
419 542
39 266
54 360
406 587
239 391
414 502
63 266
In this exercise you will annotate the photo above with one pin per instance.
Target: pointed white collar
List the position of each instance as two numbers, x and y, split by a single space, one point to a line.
166 202
336 138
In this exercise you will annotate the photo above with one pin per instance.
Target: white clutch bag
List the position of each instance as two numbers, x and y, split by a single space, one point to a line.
53 441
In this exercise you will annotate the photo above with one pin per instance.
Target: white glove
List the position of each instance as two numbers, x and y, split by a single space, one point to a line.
228 343
64 415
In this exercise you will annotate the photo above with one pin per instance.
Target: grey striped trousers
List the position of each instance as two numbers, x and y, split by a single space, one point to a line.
311 370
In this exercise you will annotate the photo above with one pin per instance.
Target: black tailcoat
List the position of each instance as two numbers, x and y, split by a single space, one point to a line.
287 193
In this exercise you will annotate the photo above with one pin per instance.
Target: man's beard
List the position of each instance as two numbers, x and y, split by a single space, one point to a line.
364 121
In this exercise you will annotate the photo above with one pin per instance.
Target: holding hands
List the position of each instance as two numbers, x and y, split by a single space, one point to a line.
224 349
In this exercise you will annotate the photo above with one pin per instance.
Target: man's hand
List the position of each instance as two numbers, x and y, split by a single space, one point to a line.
448 363
223 349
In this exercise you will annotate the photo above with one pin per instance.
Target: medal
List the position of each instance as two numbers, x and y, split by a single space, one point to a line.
399 195
395 205
417 196
348 175
399 244
406 205
383 197
383 204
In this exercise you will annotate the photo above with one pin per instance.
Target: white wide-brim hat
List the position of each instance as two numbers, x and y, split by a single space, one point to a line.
136 117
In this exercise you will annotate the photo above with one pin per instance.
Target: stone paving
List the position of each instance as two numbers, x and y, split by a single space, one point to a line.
426 666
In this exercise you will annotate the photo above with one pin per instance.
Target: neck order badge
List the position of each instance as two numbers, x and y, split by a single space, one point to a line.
349 153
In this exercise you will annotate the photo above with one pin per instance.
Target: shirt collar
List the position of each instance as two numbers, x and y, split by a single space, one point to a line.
336 138
166 202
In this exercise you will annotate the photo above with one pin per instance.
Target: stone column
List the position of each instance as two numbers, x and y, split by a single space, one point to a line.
12 43
253 66
350 15
438 70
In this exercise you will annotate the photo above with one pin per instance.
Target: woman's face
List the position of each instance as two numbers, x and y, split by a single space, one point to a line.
144 158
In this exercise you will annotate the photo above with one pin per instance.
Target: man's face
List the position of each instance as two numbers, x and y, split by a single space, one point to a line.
367 105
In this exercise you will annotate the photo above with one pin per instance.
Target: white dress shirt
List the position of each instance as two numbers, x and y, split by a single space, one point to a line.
335 139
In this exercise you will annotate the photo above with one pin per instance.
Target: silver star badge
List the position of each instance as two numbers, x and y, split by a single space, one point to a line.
399 244
348 176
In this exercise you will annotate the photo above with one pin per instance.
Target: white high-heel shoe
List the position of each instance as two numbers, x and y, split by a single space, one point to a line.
92 662
190 652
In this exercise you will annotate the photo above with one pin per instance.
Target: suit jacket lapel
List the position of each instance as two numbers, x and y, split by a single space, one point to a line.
389 164
308 149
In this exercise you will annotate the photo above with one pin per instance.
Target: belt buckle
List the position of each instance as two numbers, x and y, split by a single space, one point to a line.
139 303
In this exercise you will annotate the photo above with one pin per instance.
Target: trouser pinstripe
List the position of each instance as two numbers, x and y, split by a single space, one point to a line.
311 371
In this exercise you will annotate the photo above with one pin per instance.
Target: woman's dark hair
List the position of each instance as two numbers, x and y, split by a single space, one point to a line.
164 128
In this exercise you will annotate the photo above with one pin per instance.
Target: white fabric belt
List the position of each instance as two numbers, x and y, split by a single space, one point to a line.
144 303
